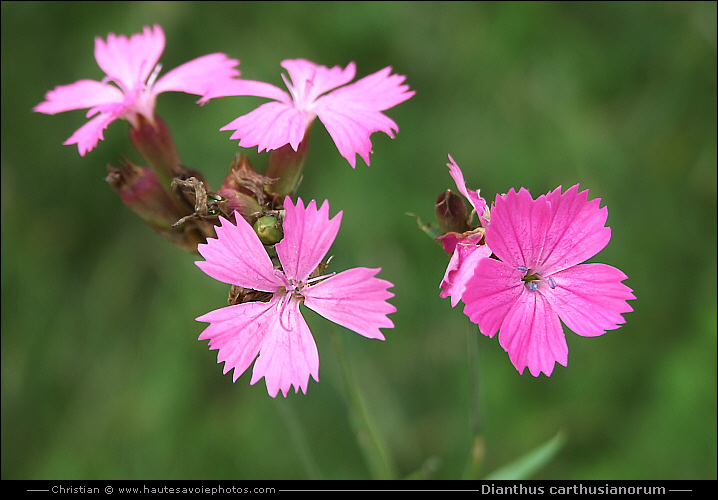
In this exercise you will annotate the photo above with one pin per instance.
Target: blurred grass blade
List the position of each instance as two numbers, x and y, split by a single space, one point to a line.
526 466
299 438
475 461
371 444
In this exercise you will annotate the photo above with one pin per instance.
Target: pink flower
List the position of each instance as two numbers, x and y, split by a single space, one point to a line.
466 249
275 330
350 113
131 65
539 278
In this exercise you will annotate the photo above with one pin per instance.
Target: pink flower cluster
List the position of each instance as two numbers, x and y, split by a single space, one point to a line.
519 270
351 113
527 276
268 326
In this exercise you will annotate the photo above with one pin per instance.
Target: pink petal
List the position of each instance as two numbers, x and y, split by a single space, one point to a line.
533 336
308 234
491 293
590 298
354 299
576 231
449 241
270 126
288 354
518 228
462 266
238 332
352 113
237 257
130 62
237 87
199 76
79 95
378 91
310 80
87 136
350 127
473 196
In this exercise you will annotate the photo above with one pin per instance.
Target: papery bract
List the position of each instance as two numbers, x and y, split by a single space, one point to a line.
275 330
539 277
131 64
350 113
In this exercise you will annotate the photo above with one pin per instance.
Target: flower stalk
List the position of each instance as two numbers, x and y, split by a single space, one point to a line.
153 141
285 168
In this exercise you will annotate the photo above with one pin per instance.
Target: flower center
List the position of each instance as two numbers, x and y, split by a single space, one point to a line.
533 278
301 93
294 287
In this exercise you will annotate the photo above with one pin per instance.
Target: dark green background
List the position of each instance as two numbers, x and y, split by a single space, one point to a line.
102 373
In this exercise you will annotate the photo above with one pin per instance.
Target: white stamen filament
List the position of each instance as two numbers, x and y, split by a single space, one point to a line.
311 281
153 76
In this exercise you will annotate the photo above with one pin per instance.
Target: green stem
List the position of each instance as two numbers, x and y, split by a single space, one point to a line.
477 450
370 443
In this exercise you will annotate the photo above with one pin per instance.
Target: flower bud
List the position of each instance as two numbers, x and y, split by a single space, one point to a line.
243 179
143 193
451 213
235 201
268 230
241 175
140 189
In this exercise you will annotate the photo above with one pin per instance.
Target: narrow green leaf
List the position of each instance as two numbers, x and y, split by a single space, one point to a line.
525 466
431 230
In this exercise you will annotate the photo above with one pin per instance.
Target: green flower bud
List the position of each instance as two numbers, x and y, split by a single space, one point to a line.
268 230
